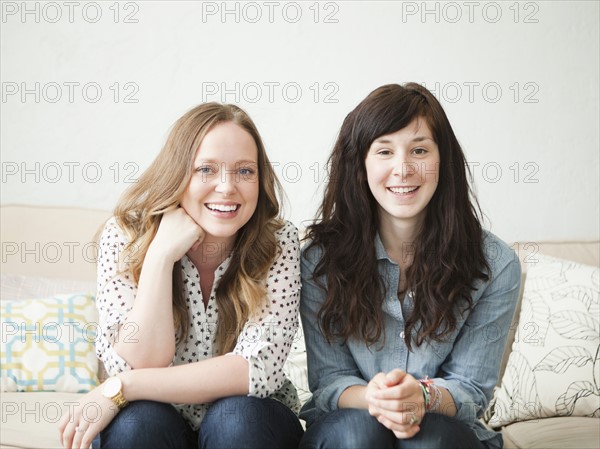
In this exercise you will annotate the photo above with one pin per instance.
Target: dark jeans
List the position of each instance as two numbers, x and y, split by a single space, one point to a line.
234 422
356 429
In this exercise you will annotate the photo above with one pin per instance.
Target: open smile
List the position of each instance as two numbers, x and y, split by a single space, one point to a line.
403 190
223 209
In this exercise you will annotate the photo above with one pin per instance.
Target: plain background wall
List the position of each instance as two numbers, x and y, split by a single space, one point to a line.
90 90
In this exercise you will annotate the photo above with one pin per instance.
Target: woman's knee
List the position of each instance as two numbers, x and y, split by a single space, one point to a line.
347 428
442 432
244 421
146 424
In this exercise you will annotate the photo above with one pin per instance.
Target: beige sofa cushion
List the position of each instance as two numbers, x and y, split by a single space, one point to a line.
30 420
553 433
52 242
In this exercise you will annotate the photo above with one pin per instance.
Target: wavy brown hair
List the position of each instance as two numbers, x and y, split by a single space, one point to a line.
441 279
242 289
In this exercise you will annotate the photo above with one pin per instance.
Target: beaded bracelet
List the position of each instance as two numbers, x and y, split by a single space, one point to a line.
425 391
427 387
438 397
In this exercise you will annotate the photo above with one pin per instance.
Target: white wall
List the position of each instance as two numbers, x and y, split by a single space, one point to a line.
519 82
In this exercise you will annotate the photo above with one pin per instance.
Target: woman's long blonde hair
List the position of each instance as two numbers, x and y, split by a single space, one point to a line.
242 289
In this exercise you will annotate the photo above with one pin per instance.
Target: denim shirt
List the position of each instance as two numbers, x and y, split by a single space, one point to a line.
466 363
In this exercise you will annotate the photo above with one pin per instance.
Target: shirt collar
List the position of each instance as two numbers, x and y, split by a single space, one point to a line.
187 264
380 252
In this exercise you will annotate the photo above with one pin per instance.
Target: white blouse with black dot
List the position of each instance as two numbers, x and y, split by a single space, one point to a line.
265 340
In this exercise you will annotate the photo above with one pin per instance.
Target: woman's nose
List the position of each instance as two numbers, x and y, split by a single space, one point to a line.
226 184
405 168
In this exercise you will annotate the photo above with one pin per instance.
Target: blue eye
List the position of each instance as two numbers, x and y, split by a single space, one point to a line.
205 169
246 171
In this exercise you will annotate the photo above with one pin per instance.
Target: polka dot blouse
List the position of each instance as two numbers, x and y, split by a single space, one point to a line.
264 342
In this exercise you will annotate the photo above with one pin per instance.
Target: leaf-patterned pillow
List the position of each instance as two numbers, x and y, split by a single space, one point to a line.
554 366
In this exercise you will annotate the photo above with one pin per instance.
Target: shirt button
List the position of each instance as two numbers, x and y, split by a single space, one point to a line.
402 335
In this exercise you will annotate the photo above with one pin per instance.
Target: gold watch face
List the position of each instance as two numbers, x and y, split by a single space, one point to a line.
111 387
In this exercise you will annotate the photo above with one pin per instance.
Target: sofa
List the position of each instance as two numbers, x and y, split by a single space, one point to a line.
48 273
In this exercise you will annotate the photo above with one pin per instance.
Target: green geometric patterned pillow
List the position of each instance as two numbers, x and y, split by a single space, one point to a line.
554 366
48 344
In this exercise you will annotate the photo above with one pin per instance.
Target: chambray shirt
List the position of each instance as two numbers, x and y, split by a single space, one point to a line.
466 363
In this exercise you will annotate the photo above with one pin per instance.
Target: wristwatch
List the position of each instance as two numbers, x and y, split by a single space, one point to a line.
113 390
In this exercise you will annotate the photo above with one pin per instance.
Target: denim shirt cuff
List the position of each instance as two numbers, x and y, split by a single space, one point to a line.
327 399
467 409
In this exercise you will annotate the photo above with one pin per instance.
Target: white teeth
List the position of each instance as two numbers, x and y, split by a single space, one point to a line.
403 189
222 207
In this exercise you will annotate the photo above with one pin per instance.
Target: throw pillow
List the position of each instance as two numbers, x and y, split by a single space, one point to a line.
20 286
295 366
554 366
48 344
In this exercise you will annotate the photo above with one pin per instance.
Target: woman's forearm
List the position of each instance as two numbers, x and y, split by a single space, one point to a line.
446 405
150 341
353 397
194 383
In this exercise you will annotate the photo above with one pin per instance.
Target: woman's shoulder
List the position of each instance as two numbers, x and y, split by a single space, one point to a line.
287 236
112 223
499 254
110 226
113 231
310 253
287 230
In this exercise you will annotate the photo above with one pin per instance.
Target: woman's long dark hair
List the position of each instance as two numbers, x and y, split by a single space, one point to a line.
448 252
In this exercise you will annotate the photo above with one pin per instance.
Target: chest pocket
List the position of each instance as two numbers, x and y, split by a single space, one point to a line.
443 348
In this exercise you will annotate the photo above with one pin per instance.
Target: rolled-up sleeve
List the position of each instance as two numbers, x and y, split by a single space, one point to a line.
470 372
266 339
331 366
116 294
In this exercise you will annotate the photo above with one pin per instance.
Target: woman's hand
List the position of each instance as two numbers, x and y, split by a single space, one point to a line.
396 400
81 423
176 235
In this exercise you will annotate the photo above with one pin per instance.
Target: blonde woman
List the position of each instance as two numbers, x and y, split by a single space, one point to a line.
198 289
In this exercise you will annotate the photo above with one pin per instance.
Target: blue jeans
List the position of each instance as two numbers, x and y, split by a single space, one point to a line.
355 429
234 422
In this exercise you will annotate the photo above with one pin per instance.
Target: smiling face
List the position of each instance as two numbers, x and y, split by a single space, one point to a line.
402 173
223 191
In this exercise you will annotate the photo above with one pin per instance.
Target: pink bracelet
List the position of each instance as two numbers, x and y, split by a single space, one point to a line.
426 388
431 393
